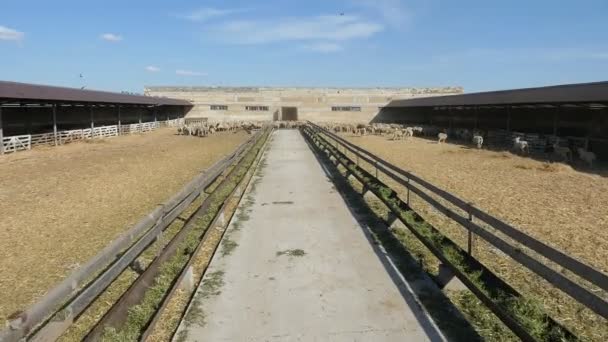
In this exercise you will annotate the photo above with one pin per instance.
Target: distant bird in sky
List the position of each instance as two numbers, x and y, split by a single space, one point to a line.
81 76
342 14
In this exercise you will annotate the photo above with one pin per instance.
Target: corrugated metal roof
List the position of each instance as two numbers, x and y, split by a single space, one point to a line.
567 93
26 91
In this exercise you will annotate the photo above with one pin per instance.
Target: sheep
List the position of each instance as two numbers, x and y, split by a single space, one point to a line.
587 156
564 152
442 137
478 140
408 132
521 145
397 134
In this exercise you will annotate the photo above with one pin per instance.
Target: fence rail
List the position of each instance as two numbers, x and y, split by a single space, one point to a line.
25 142
112 260
573 289
16 143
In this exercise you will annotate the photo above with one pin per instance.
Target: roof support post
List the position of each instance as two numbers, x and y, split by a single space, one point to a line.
508 118
139 116
1 133
555 120
28 121
92 119
450 115
55 123
476 115
119 123
589 131
155 112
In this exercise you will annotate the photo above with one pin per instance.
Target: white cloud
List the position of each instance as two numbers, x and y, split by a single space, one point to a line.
152 68
393 12
189 73
7 33
110 37
330 28
207 13
324 47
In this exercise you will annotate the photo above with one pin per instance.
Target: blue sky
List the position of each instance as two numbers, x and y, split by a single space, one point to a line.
480 45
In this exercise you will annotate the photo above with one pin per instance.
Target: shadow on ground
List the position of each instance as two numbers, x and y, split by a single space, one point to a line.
389 251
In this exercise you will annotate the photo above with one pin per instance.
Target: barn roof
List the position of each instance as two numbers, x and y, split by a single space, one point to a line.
596 92
24 92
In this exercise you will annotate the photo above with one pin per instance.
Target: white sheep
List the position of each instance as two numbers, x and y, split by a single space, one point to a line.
564 152
442 137
587 156
521 145
478 140
408 132
397 134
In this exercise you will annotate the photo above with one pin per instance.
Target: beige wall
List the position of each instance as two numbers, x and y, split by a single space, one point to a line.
313 103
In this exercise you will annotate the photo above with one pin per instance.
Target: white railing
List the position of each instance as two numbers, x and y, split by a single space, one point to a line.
173 123
25 142
16 143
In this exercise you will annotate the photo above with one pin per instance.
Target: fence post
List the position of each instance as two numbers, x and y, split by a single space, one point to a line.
1 134
470 234
408 192
376 164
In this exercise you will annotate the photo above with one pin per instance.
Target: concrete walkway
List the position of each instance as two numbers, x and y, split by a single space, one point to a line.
297 266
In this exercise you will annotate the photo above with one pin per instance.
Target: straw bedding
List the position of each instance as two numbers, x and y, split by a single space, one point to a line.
563 207
60 206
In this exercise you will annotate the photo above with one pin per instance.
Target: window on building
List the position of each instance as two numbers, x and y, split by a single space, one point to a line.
219 107
346 109
257 108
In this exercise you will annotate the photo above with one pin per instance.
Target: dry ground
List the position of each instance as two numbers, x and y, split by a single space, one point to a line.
60 206
556 204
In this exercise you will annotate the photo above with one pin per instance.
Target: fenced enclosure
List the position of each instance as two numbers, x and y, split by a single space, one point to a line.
148 229
16 143
26 142
581 282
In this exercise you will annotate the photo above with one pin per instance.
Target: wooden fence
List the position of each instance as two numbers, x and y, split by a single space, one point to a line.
69 299
522 248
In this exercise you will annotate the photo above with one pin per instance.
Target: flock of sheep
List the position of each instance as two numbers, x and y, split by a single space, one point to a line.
476 137
562 152
401 132
392 131
203 129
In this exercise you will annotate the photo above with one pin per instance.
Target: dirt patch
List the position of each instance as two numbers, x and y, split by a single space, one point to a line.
228 246
283 202
60 206
292 252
